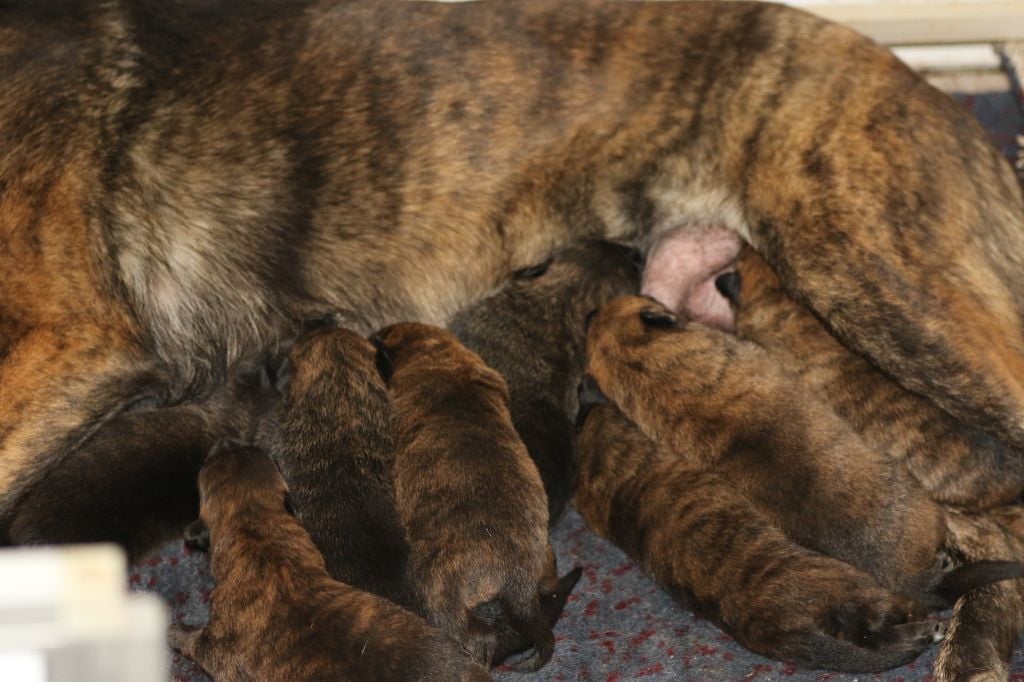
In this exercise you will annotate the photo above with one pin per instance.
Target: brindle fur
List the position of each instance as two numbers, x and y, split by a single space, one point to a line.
722 404
331 437
275 614
156 485
470 499
532 331
719 555
957 464
181 182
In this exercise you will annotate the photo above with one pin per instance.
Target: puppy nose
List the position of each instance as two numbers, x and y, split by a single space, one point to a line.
729 285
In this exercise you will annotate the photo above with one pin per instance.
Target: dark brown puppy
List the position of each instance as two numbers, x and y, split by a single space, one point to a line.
717 554
533 333
331 436
957 464
470 499
720 403
275 614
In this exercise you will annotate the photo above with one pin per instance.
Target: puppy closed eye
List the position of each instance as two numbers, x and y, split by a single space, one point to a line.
659 319
532 272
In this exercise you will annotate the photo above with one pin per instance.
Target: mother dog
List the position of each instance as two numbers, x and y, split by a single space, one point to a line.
181 182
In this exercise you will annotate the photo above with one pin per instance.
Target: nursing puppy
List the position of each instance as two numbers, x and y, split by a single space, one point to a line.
717 554
275 614
533 332
957 464
331 436
469 497
719 403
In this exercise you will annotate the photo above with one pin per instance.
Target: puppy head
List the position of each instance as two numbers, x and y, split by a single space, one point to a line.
752 281
398 345
237 475
581 278
339 356
629 322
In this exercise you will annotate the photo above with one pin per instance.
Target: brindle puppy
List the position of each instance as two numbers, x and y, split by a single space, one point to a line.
331 436
717 554
532 331
956 463
719 403
470 499
275 614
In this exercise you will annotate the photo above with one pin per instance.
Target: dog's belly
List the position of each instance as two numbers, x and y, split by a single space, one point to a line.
681 271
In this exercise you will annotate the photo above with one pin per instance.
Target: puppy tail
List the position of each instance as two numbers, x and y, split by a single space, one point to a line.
973 575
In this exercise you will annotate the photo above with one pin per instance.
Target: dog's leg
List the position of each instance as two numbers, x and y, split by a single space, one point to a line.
901 227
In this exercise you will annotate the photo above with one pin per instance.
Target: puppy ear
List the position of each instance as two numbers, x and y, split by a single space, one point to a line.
589 319
532 272
659 319
589 394
384 365
729 285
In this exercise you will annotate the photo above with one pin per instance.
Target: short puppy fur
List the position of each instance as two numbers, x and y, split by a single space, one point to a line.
958 465
720 403
532 332
717 554
331 436
275 613
468 494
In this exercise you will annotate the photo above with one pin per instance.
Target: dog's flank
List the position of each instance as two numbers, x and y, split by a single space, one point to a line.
722 404
717 554
469 497
957 464
275 614
532 332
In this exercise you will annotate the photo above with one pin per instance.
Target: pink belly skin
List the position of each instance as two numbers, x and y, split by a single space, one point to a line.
681 271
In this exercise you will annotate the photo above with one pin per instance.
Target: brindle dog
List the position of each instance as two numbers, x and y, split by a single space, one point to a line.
957 464
275 614
532 332
470 499
180 183
717 554
719 403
